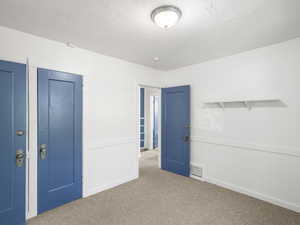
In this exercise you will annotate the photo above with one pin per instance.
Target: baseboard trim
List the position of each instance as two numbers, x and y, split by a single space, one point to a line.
272 200
30 216
99 189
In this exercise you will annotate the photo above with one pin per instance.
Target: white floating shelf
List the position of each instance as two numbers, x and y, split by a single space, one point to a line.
248 103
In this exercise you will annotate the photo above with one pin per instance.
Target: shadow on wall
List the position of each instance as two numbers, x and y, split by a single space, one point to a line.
248 104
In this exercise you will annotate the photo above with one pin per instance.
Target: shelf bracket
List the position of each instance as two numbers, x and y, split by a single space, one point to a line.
247 105
221 104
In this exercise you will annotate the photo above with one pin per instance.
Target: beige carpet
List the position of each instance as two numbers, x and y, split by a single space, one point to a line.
162 198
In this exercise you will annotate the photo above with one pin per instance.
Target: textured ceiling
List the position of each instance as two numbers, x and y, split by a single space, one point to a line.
208 29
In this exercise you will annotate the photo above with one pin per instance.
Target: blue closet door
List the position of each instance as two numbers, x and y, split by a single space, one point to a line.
175 130
60 138
12 143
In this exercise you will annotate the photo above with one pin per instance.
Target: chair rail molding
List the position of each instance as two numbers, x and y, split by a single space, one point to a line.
279 150
112 142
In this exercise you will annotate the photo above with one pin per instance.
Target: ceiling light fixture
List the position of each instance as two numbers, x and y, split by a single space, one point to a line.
166 16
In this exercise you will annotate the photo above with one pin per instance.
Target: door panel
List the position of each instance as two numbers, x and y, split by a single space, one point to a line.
61 135
175 129
60 138
12 119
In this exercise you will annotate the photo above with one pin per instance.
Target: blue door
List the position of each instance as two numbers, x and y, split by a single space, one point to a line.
12 143
59 138
175 130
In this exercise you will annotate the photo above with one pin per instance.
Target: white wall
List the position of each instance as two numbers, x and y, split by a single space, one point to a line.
110 121
256 152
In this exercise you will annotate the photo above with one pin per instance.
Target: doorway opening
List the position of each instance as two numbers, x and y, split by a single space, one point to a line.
164 128
149 124
154 106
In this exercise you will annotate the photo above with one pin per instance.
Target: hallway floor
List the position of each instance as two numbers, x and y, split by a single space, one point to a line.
162 198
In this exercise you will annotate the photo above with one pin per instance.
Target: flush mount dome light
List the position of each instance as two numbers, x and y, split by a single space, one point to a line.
166 16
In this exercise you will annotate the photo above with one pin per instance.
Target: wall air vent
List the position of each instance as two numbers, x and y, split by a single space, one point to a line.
196 170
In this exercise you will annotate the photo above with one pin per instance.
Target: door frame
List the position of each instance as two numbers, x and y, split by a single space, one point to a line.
138 86
152 120
32 165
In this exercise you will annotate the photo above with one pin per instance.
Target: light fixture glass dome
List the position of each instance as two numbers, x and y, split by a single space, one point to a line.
166 16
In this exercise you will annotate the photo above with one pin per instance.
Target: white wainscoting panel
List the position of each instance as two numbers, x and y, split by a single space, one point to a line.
268 173
111 163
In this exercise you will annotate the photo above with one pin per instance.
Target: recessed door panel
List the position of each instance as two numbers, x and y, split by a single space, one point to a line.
6 138
61 134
